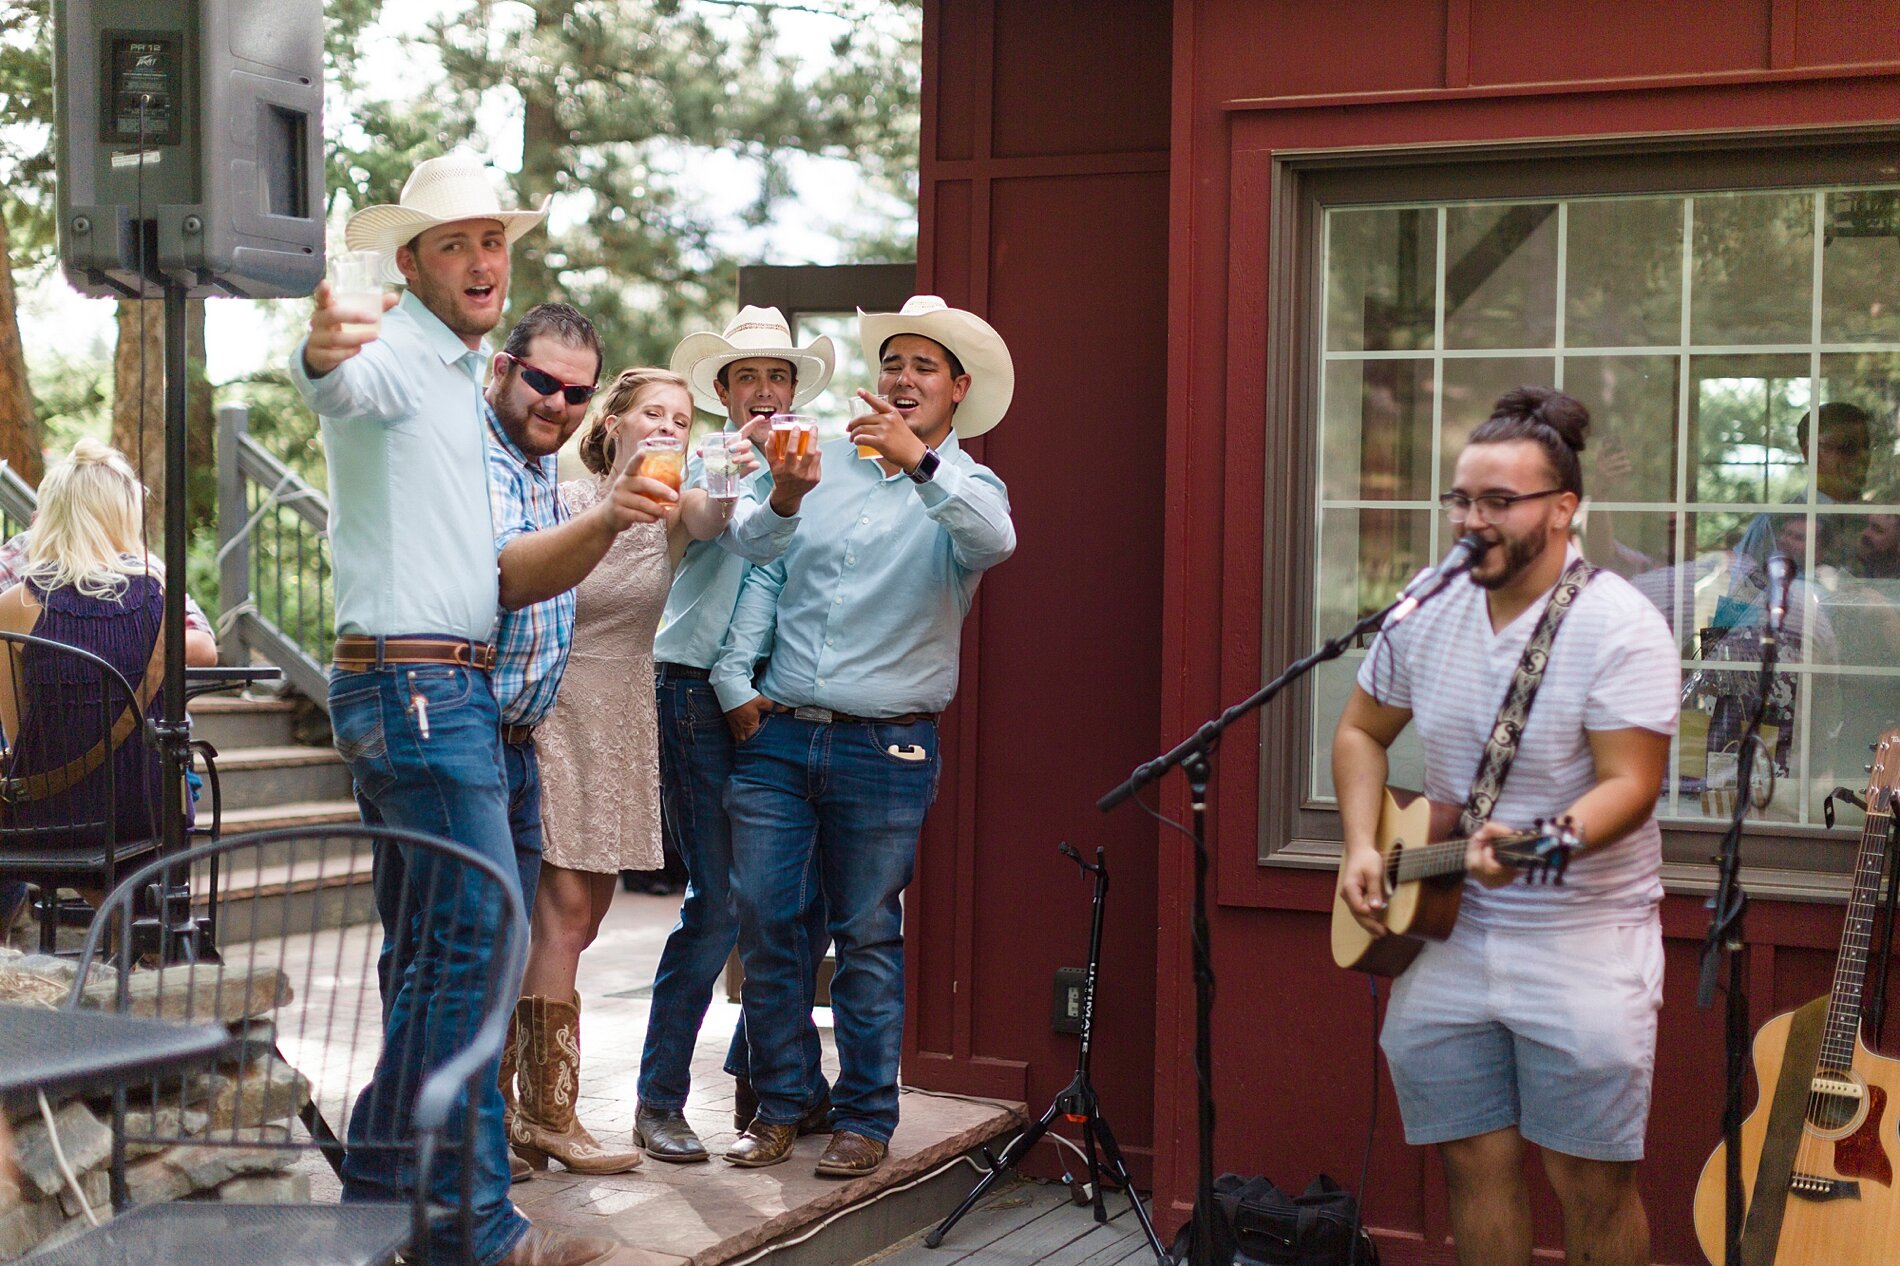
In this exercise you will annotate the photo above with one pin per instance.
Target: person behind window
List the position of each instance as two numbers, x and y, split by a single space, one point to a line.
88 582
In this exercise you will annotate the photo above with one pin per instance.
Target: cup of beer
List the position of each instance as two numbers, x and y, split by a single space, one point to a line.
867 453
356 290
722 464
793 435
661 457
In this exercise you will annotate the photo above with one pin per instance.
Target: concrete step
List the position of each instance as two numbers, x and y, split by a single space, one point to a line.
297 813
232 721
327 891
266 777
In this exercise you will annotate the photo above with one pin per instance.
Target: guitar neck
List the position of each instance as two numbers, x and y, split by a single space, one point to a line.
1434 861
1850 969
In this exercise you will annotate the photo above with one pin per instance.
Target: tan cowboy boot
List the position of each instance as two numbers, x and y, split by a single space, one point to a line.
559 1248
550 1072
518 1169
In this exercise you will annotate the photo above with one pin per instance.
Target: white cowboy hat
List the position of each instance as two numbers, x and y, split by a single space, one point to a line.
439 191
754 332
970 338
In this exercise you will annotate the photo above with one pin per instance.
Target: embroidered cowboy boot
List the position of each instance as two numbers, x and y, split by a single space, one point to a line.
545 1126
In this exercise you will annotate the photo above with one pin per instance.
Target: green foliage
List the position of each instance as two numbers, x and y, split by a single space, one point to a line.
26 105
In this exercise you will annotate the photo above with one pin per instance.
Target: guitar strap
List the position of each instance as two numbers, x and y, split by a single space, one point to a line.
1501 749
55 782
1774 1168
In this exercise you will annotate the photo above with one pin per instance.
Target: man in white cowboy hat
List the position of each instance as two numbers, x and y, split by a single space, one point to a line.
836 758
411 703
745 374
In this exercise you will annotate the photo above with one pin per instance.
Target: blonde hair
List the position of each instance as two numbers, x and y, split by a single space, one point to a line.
597 449
87 533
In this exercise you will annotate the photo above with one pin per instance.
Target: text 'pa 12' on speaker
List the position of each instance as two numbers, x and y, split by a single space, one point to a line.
189 142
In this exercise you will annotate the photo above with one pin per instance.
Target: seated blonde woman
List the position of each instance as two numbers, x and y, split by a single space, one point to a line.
89 583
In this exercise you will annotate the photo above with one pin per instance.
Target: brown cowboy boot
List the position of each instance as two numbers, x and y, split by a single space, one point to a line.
518 1169
559 1248
550 1066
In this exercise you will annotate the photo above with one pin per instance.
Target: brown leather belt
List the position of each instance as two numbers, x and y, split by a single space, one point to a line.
516 735
355 653
825 716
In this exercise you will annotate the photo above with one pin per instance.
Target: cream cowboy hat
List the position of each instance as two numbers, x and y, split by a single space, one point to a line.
439 191
754 332
969 337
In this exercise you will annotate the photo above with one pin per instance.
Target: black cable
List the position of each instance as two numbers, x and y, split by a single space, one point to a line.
1372 1124
145 543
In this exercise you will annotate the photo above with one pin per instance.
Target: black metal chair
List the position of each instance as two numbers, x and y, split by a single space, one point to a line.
305 999
69 814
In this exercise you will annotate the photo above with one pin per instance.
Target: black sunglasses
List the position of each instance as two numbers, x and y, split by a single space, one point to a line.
547 384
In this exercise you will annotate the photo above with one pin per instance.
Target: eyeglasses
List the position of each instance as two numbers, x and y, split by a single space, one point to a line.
547 384
1494 504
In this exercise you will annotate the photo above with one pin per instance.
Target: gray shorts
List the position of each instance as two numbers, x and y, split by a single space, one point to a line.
1553 1032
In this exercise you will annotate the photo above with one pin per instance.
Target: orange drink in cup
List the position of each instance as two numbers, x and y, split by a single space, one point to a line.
661 457
867 453
793 434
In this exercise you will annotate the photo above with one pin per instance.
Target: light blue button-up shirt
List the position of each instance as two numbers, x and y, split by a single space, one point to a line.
706 583
863 613
403 431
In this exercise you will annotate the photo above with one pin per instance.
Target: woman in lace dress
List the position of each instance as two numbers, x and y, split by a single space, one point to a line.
600 773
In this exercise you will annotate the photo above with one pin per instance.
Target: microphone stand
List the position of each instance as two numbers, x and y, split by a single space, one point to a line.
1726 942
1192 755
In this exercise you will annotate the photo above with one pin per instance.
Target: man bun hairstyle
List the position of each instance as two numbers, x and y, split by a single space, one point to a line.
1547 418
596 449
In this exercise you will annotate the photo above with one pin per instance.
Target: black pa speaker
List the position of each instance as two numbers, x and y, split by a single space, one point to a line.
189 139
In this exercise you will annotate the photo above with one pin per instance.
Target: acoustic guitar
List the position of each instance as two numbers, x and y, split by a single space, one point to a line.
1818 1151
1425 881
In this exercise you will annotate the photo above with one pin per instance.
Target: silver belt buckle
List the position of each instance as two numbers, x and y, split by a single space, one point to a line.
821 715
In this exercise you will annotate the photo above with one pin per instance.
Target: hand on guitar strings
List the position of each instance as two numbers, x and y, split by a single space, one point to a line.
1481 860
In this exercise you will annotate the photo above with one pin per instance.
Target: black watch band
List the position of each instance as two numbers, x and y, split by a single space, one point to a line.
926 468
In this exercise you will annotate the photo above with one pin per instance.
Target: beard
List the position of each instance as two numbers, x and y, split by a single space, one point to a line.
1519 554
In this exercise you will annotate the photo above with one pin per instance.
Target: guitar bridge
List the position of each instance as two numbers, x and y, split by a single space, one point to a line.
1814 1187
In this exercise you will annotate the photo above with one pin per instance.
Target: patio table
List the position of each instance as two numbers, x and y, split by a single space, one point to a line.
67 1051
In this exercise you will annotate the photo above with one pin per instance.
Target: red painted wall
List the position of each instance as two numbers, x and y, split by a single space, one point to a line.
1044 207
1094 181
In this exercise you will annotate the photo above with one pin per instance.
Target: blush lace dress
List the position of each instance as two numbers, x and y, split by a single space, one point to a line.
600 747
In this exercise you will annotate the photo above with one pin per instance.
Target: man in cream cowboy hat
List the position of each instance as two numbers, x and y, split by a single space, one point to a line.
836 757
411 703
745 374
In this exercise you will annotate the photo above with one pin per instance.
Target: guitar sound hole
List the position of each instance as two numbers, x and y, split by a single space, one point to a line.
1827 1111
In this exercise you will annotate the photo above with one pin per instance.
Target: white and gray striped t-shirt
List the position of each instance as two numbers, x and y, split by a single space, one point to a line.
1613 667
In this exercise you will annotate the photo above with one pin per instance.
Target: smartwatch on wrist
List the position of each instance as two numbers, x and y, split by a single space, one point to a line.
926 468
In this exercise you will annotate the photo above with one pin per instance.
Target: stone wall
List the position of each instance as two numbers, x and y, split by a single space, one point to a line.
223 1117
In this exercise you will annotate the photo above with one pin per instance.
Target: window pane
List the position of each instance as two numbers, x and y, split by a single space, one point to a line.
1624 266
1376 440
1501 275
1864 604
1631 454
1332 686
1754 269
1860 267
1861 395
1869 707
1743 416
1640 546
1472 387
1380 280
1366 556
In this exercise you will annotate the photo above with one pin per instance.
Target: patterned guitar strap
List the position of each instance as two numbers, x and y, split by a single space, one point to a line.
1501 749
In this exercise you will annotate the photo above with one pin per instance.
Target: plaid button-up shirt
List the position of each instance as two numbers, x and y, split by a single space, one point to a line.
530 644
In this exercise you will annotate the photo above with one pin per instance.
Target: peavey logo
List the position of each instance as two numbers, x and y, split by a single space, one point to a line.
145 61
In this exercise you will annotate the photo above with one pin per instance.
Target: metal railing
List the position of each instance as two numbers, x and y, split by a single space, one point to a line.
18 500
275 581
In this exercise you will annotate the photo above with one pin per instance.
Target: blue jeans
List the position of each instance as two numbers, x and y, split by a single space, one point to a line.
450 784
523 766
852 799
695 764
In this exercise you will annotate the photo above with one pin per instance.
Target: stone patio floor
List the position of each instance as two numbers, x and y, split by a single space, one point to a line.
669 1215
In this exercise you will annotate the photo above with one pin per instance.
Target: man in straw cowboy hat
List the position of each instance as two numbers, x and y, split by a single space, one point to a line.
745 374
411 703
836 758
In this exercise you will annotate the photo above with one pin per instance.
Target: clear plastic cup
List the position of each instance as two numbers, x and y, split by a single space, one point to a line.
722 466
661 457
793 433
356 290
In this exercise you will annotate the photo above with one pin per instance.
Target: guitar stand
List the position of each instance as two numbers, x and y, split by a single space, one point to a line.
1077 1103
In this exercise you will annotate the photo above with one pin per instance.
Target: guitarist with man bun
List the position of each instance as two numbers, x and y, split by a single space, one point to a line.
1536 1020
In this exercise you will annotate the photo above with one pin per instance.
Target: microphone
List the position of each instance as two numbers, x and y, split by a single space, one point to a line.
1780 578
1465 553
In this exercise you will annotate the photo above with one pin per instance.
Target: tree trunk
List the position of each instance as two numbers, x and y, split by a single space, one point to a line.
19 421
544 148
127 426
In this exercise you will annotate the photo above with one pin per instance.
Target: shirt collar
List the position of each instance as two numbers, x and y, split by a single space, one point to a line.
440 339
543 466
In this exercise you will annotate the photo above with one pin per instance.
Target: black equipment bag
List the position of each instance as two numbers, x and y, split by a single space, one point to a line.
1257 1224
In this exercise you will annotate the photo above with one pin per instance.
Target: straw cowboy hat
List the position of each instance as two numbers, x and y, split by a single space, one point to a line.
754 332
439 191
970 339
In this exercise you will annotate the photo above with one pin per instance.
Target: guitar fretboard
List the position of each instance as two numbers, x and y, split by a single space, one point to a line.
1429 861
1850 968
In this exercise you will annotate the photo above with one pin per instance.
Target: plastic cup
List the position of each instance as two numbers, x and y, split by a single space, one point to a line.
660 457
356 290
722 467
793 434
